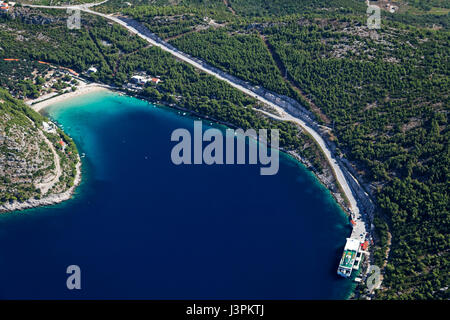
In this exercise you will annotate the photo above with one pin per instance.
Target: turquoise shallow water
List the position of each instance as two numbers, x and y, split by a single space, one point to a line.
141 227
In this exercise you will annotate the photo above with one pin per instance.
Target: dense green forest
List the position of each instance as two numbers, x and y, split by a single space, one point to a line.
242 55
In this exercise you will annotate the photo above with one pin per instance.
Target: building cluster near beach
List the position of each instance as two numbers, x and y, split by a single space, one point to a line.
28 79
63 69
138 81
51 128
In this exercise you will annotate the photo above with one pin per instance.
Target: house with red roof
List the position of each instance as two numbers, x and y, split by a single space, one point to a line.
63 144
4 7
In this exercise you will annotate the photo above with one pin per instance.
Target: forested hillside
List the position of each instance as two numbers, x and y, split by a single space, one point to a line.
28 164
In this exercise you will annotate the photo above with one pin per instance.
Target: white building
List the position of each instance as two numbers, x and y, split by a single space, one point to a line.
143 79
92 70
49 127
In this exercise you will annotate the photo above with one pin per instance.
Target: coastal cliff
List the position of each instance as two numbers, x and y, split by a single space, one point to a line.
39 163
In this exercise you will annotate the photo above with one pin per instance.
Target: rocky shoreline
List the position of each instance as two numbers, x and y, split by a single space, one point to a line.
49 200
325 180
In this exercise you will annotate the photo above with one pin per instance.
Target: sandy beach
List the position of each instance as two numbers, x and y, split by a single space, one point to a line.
47 100
38 105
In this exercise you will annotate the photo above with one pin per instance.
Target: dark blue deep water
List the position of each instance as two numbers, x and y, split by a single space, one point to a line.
141 227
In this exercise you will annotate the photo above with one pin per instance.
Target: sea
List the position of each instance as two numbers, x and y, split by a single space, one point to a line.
141 227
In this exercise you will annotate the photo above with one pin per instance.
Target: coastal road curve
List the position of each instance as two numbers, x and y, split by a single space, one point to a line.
284 115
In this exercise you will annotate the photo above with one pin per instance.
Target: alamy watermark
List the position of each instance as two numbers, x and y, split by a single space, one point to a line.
74 280
374 279
234 144
74 19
